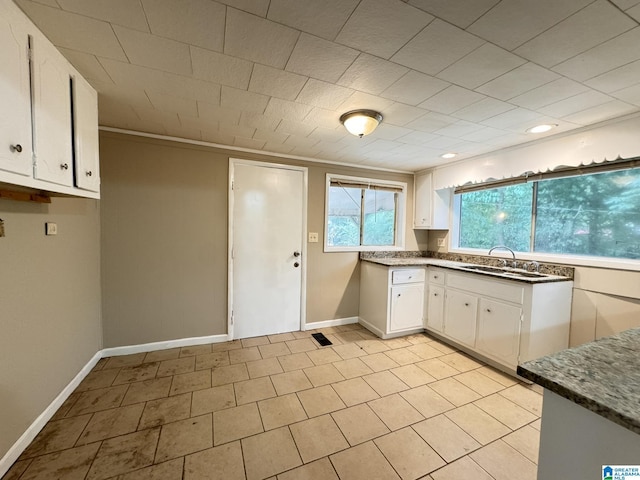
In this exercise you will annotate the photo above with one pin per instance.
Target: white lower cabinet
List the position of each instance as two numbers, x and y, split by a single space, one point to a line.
499 330
460 322
435 308
407 304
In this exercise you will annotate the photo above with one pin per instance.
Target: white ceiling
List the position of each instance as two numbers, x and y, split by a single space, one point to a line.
468 76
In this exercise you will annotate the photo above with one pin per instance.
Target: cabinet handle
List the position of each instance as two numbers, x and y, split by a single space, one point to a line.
64 166
88 173
488 310
435 276
435 294
466 304
399 295
16 148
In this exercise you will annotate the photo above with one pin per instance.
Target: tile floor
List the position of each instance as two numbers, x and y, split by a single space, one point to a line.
281 407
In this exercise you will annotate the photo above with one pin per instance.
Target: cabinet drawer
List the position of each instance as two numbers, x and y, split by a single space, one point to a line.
413 275
436 276
501 289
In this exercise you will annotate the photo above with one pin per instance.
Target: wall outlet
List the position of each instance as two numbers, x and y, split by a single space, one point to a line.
313 237
441 242
50 228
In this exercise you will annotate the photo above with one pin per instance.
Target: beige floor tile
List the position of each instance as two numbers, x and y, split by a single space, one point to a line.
138 373
274 350
454 391
422 337
212 360
355 391
171 470
166 410
504 463
184 437
304 334
379 362
111 423
437 368
290 382
243 355
497 376
446 438
412 375
536 424
236 423
463 469
280 411
323 375
479 383
124 454
227 460
385 383
426 401
161 355
302 345
319 401
213 399
269 453
323 356
333 339
372 346
147 390
125 360
395 411
525 440
359 424
253 390
229 374
295 361
317 438
100 399
66 406
409 454
349 350
56 436
194 350
350 336
532 386
397 343
18 468
505 411
443 347
189 382
226 346
403 356
480 425
71 464
461 362
281 337
425 351
318 470
255 341
100 365
527 399
354 367
363 462
263 368
177 366
98 379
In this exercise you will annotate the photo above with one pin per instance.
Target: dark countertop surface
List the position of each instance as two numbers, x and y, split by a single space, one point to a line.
602 376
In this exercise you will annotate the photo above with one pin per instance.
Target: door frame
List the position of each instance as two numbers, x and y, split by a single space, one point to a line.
303 260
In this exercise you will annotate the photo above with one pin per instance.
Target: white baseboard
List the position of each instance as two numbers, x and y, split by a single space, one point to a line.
150 347
331 323
373 329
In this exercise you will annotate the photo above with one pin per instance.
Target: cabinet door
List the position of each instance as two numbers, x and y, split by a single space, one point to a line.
15 102
499 331
422 201
435 308
52 116
460 317
407 306
85 129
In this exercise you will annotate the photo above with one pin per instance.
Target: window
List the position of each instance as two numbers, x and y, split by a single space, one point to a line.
592 214
364 214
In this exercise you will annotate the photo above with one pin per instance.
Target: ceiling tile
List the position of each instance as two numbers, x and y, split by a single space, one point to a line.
300 141
483 135
602 58
286 109
431 122
219 68
629 95
132 95
243 100
591 26
216 113
75 31
366 101
518 81
295 128
276 83
258 39
617 79
576 104
400 114
507 120
329 135
278 148
461 14
87 64
371 74
386 131
613 109
485 108
173 104
323 94
417 138
198 22
458 129
113 113
323 118
270 136
48 3
257 7
158 116
321 59
626 4
481 66
510 24
634 13
154 52
442 143
452 43
194 123
236 130
550 93
251 143
120 12
259 121
414 88
324 19
451 100
382 27
214 136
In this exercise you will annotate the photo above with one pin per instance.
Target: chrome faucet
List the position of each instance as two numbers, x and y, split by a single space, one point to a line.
514 264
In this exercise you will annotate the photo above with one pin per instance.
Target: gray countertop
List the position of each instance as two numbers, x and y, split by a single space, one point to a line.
602 376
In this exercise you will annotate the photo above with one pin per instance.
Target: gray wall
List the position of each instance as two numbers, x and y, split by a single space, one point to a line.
49 305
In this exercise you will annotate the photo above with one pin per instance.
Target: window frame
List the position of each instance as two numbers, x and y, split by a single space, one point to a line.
400 214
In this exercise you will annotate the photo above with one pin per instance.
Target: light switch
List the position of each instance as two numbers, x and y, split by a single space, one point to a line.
50 228
313 237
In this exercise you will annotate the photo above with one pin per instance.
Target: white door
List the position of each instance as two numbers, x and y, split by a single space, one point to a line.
267 207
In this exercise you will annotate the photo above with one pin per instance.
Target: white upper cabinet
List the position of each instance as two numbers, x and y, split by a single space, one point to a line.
85 126
15 105
430 207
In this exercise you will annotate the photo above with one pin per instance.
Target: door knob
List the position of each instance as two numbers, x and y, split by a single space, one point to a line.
296 254
296 264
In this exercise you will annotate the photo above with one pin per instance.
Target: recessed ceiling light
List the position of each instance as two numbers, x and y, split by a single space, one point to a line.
541 128
448 155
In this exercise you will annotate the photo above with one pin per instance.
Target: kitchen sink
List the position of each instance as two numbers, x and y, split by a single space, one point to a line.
483 268
503 271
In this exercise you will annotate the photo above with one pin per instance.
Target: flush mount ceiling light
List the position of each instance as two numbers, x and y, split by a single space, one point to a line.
448 155
541 128
361 122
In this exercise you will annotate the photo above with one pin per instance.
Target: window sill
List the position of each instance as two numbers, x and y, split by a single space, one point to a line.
385 248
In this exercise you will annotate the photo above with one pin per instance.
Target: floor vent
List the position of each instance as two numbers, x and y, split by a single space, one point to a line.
321 339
